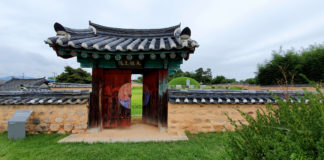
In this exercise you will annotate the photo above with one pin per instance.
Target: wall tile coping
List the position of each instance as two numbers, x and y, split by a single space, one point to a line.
229 97
69 85
44 97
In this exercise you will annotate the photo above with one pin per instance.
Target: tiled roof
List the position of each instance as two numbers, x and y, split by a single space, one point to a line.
16 84
69 85
227 97
102 38
2 82
43 97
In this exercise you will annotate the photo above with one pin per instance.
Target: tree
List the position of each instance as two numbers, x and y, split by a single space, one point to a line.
199 74
222 80
71 75
308 62
219 80
250 81
139 79
313 63
207 76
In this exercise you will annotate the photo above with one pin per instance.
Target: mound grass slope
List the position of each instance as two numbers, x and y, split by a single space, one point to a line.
183 81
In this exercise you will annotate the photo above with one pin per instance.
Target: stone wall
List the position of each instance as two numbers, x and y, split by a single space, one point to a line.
197 118
57 118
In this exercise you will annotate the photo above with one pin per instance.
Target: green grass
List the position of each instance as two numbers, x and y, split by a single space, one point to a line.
235 88
45 146
183 81
137 93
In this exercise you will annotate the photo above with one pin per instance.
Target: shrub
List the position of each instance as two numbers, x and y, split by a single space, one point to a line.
287 131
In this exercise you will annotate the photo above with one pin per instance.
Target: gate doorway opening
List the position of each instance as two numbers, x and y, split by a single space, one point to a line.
111 97
137 98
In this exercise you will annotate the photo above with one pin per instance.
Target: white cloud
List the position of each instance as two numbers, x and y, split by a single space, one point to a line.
234 35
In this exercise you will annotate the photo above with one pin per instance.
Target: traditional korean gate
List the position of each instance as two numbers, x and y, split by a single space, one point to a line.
116 53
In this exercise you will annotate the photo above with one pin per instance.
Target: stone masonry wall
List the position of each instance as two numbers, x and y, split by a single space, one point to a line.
70 118
197 118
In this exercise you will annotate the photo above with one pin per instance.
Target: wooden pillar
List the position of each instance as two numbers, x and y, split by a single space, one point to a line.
155 86
94 113
105 109
163 98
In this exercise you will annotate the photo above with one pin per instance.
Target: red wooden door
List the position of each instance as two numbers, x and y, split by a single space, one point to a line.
106 110
155 92
113 112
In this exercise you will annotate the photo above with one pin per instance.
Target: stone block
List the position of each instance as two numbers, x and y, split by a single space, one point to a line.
172 112
80 113
197 120
83 119
41 113
218 127
42 128
70 119
59 120
81 126
4 114
81 131
206 126
46 120
61 132
54 127
74 131
202 113
68 127
2 128
184 127
70 113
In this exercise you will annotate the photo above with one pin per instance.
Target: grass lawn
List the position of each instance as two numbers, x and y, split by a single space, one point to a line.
45 146
137 93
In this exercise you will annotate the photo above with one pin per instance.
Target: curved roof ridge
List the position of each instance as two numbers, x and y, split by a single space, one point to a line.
60 27
167 30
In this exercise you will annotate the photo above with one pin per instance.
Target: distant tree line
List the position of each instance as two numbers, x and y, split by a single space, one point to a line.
290 65
202 76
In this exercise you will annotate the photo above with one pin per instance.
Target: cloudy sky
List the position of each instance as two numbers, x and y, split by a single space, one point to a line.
234 35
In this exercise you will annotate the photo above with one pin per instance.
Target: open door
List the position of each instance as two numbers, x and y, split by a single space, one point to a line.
110 98
155 97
